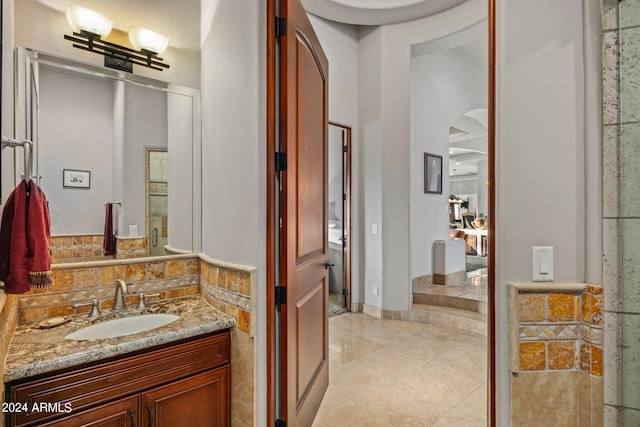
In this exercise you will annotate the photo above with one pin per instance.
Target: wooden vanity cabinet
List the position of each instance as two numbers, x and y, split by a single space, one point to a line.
181 384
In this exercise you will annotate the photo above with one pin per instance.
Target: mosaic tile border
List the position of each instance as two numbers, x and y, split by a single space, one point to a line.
231 289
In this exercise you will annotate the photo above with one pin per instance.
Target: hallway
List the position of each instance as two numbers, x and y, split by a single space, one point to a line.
395 373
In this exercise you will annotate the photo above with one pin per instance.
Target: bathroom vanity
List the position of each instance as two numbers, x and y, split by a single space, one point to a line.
174 375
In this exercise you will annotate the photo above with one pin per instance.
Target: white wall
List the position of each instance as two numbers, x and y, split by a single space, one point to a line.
384 114
540 121
145 118
340 45
445 85
370 141
182 174
7 158
75 132
233 149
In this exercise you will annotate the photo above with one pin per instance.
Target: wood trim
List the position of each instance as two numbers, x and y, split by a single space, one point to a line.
491 315
348 221
271 212
347 262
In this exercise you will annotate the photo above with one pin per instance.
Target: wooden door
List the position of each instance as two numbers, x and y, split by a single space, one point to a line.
304 127
200 400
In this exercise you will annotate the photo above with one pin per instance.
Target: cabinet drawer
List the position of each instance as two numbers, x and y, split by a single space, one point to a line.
108 380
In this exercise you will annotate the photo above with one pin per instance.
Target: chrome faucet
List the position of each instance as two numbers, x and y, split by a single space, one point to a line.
118 299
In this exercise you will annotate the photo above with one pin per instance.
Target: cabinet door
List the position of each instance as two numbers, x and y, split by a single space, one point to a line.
200 400
121 413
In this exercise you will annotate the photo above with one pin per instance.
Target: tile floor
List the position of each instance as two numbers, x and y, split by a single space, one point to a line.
398 373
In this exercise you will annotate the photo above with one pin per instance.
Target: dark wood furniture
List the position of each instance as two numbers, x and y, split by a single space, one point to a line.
179 384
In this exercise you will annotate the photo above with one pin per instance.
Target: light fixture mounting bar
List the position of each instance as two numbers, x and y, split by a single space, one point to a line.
116 56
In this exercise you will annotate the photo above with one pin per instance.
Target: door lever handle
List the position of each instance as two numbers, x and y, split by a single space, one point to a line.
328 264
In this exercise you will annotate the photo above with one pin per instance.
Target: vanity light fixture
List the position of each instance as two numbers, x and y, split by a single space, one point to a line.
145 40
89 27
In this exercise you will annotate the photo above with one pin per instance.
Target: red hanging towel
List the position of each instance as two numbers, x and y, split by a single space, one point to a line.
109 245
24 240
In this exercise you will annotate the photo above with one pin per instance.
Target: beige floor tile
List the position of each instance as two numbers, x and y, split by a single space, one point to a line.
395 373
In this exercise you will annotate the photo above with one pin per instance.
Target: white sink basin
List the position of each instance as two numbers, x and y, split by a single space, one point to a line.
121 327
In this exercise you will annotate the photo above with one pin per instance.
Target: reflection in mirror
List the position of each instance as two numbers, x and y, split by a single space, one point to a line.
105 128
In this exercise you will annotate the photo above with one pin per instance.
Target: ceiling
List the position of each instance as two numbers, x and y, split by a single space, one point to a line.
376 12
469 146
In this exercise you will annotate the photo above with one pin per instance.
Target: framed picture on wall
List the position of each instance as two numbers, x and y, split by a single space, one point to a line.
72 178
432 173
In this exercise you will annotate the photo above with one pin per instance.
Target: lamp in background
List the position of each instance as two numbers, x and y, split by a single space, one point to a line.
89 27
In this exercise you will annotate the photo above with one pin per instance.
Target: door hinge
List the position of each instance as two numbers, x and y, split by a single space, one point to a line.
281 26
344 196
281 295
345 292
345 148
281 423
281 162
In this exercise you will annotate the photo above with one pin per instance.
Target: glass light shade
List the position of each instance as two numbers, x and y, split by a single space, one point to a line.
88 20
144 39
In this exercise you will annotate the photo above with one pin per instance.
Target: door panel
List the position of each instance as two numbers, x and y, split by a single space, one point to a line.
205 395
311 354
311 155
304 68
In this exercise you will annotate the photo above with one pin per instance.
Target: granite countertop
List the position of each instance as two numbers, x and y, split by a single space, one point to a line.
35 351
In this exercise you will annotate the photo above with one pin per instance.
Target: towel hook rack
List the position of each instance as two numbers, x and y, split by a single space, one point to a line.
28 153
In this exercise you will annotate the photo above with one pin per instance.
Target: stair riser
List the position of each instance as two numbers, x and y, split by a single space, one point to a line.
448 301
449 321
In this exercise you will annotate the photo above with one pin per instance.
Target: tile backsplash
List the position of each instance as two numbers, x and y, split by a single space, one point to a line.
77 248
229 288
174 277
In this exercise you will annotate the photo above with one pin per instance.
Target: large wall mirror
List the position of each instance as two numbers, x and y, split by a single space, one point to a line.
102 138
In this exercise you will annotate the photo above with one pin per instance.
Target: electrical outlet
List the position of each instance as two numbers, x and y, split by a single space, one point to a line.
374 228
376 290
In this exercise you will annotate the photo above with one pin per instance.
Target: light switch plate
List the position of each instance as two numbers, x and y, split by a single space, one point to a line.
543 263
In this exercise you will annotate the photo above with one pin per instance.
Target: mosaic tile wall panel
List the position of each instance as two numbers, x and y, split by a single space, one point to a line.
229 289
76 248
173 279
557 328
131 247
